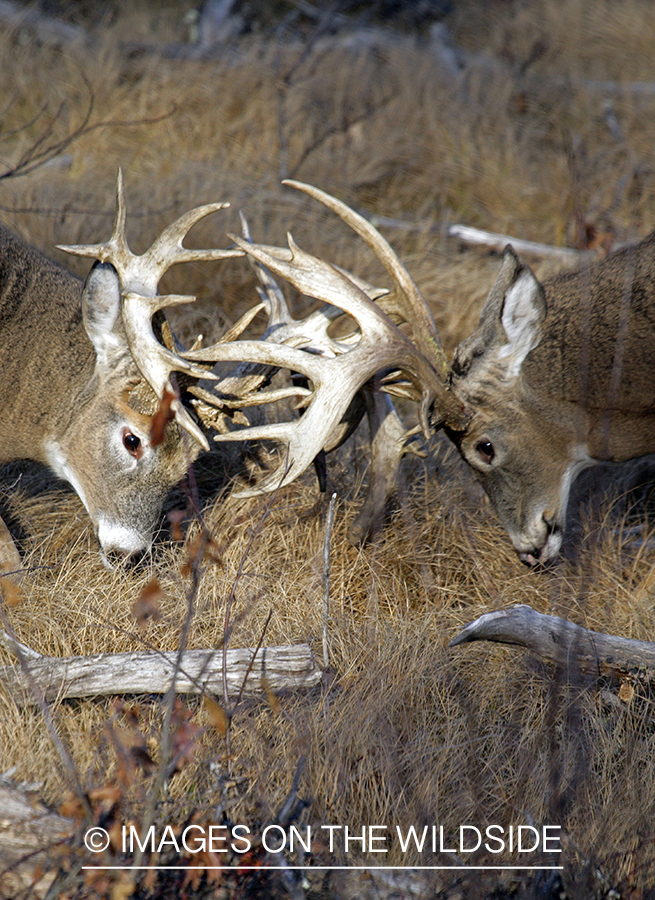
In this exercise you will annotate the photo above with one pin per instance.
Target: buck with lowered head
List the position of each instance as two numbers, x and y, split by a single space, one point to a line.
557 377
83 375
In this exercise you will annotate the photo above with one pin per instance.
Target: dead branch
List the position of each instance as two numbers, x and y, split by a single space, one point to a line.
46 148
498 242
476 237
562 643
147 672
28 832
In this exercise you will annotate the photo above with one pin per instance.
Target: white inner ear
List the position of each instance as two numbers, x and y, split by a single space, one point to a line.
523 312
101 307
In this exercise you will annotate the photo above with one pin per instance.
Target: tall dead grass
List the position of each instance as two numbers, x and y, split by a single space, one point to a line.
408 732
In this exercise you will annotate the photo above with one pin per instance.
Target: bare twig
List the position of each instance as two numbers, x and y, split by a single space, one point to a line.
47 28
326 580
44 148
237 578
37 693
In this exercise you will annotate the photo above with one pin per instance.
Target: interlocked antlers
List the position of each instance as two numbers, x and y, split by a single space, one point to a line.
337 371
139 278
334 371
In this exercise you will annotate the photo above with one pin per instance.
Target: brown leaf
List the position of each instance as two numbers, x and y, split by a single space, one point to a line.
626 691
176 517
217 716
131 753
271 697
185 736
146 607
72 808
10 592
161 418
124 887
201 549
108 792
149 880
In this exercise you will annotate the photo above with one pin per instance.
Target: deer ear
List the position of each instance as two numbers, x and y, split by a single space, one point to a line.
522 315
510 321
101 306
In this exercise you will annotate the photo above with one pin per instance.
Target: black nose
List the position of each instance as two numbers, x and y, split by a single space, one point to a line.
114 559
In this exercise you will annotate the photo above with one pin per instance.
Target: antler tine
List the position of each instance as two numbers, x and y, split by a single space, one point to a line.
241 387
153 360
141 274
415 309
115 250
269 291
167 250
311 332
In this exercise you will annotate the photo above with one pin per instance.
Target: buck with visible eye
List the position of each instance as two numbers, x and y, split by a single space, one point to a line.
557 377
83 374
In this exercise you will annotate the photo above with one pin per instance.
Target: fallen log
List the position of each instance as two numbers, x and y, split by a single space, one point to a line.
149 672
562 643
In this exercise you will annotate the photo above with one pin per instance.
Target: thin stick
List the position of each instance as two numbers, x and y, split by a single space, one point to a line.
326 580
64 754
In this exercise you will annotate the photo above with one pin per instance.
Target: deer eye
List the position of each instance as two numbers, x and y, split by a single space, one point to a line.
486 452
132 443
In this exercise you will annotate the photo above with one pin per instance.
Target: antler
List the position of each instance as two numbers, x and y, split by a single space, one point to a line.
139 278
381 348
407 299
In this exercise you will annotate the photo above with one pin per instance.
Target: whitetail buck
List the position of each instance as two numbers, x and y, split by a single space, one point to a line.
557 377
83 375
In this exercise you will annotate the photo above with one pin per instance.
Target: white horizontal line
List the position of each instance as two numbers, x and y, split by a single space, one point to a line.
310 868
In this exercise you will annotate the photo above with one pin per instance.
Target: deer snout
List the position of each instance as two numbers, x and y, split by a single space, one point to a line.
549 548
120 542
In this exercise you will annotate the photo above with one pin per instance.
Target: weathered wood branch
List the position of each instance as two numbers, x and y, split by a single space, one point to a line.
148 672
28 832
561 643
476 237
494 241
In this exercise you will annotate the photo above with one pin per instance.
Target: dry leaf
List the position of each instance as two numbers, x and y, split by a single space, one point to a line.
145 608
108 792
131 753
176 517
217 716
72 808
10 592
271 697
124 887
161 418
185 736
626 691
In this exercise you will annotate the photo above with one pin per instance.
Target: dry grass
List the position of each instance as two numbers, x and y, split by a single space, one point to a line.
408 732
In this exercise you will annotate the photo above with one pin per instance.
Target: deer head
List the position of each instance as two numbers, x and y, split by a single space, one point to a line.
552 381
85 375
